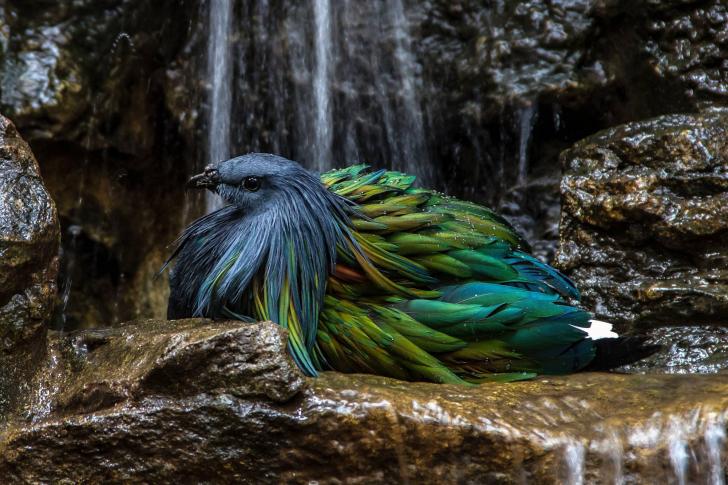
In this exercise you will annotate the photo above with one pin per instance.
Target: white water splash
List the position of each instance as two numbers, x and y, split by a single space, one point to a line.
220 76
715 437
574 453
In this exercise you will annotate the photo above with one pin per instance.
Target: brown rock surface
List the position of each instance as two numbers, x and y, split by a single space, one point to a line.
644 226
190 401
29 244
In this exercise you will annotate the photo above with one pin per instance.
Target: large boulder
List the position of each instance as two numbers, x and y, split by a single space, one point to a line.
644 229
195 400
29 245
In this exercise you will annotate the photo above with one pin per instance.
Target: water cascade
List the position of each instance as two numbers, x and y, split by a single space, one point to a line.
413 157
321 86
219 74
326 83
528 115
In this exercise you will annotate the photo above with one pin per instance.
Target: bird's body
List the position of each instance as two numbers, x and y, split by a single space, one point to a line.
370 274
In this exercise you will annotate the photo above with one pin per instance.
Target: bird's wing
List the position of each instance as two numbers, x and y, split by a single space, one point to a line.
435 288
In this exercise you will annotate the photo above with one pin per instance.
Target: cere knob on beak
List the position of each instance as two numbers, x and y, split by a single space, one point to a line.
208 179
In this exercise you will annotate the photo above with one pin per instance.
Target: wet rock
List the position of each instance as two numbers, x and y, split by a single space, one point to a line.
220 402
689 47
88 73
644 225
86 84
684 350
180 358
513 82
29 245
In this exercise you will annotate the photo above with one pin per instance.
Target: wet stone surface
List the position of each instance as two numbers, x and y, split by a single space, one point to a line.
196 400
685 350
29 245
644 226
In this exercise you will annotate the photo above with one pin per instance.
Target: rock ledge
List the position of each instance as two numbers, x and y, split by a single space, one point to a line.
195 400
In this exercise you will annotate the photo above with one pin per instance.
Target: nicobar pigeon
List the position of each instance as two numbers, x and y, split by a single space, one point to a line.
370 274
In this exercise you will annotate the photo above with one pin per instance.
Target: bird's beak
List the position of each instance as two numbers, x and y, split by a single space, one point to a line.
208 179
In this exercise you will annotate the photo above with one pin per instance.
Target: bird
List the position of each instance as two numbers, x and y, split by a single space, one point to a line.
371 274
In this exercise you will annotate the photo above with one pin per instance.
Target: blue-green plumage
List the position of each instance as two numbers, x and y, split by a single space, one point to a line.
369 274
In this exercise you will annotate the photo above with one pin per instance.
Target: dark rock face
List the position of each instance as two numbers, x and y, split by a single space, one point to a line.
87 85
29 245
222 402
688 47
511 84
645 220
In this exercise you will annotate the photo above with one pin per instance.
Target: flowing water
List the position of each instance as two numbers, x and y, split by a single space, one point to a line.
679 449
322 86
527 119
326 83
219 74
574 453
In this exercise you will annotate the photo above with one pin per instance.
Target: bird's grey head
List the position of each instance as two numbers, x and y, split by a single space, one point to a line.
254 181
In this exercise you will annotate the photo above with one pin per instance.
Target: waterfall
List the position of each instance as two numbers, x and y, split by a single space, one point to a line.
219 74
326 83
527 119
323 125
679 457
413 152
715 437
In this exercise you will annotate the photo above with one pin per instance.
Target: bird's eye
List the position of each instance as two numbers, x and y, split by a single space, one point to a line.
251 183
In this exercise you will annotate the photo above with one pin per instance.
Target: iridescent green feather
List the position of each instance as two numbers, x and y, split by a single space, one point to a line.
441 291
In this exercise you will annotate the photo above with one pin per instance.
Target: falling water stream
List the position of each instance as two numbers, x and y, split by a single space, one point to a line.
321 86
327 83
219 73
528 114
414 154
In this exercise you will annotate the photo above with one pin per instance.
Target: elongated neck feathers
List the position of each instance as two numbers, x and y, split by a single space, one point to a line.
271 263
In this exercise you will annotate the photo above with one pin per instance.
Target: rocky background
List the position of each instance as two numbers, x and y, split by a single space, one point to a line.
91 85
607 117
111 97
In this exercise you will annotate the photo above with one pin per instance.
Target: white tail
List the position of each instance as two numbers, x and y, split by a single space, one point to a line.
598 330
